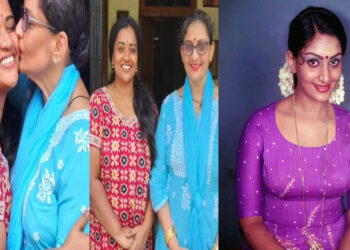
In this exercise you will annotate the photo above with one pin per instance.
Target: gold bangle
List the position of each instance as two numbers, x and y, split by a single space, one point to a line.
169 234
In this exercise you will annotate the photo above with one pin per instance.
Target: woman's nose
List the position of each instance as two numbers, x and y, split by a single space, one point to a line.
19 29
5 40
324 74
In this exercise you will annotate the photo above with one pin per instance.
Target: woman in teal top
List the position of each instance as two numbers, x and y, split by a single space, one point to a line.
50 176
184 179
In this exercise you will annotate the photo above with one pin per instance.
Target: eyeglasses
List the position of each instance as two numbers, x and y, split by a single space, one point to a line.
26 20
201 48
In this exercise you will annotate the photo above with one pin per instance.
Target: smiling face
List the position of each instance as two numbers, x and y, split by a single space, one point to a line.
37 43
125 55
196 64
8 48
318 67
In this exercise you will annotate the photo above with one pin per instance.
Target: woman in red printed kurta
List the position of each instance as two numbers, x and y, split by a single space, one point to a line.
5 192
122 126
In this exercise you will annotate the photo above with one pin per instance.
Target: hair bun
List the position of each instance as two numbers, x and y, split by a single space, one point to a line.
80 54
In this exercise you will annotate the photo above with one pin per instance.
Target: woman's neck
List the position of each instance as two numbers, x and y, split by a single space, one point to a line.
197 88
48 81
3 95
123 89
311 108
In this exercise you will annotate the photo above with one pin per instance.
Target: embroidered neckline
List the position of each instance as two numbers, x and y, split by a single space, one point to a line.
128 122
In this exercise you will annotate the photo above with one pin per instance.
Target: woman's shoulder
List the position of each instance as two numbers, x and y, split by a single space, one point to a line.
76 120
263 115
170 98
98 94
341 111
342 114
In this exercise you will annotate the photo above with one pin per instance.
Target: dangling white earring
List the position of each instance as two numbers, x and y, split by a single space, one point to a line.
286 82
55 60
338 93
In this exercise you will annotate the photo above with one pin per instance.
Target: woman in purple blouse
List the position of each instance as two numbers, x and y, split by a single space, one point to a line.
293 160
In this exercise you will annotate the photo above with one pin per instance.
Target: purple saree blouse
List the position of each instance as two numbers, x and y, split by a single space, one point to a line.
268 180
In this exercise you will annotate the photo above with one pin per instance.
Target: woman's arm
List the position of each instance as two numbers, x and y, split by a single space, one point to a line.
249 186
166 223
2 236
257 235
77 239
216 244
345 242
101 205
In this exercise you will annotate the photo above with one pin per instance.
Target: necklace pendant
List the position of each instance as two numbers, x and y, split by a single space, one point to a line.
316 246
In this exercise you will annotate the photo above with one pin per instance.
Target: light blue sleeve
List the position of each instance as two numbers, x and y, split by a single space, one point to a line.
160 171
72 159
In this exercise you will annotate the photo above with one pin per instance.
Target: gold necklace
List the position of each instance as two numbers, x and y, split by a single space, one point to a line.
314 245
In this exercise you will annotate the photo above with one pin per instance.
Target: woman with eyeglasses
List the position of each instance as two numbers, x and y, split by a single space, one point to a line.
50 176
184 179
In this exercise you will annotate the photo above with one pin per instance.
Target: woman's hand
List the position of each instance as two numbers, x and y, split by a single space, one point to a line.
2 236
140 234
77 239
124 237
173 244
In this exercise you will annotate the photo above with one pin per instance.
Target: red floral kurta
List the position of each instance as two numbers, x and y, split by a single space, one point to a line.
125 167
5 191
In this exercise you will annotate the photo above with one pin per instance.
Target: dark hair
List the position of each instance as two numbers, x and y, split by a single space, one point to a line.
144 105
10 131
70 16
308 23
197 15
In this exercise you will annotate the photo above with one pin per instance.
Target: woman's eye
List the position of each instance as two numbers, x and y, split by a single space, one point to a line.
312 62
132 50
120 49
334 62
11 28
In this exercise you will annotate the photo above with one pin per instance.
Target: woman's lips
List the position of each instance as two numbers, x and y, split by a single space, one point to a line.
195 67
322 88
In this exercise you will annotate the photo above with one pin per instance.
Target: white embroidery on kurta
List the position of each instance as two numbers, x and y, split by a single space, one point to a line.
186 197
60 164
83 209
46 186
36 237
82 139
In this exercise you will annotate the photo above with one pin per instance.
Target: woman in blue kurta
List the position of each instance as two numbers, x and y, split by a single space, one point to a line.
184 179
50 177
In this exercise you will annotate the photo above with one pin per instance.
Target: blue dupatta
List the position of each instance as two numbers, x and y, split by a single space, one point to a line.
196 145
39 125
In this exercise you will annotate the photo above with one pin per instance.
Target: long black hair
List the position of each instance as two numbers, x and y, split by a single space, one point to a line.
144 105
308 23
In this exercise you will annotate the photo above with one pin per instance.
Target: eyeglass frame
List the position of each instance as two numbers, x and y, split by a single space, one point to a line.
195 47
25 24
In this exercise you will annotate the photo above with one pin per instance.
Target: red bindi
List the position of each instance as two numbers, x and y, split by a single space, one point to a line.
326 57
